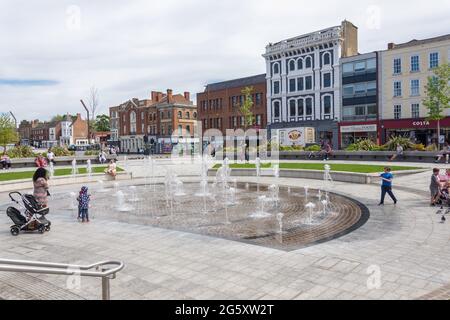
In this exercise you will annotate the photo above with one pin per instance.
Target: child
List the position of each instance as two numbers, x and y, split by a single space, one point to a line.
386 186
83 204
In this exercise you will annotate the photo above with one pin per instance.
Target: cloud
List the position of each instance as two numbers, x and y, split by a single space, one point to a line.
128 48
27 82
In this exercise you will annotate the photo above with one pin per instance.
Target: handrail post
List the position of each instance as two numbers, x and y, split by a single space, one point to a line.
105 289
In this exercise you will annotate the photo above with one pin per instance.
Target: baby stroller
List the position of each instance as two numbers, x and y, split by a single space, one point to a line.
33 216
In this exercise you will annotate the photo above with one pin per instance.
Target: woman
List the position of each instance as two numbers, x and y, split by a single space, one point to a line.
5 162
112 169
40 183
435 187
399 152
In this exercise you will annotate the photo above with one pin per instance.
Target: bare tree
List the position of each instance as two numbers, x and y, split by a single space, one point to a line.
93 101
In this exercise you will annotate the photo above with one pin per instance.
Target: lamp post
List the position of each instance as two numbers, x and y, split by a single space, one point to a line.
89 126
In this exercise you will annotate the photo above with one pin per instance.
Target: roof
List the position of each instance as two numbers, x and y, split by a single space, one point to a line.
176 98
236 83
416 42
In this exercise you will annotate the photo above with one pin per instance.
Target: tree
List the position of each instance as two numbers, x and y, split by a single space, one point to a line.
246 107
93 101
102 123
8 132
437 93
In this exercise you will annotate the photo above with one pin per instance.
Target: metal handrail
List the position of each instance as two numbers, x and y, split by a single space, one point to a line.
67 269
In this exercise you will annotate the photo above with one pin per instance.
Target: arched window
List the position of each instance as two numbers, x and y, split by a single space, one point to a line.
195 115
292 65
188 115
327 105
133 122
300 64
180 114
309 106
308 63
300 108
276 68
188 130
292 109
276 110
326 59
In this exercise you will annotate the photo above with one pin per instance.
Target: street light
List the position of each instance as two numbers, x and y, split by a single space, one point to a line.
15 120
89 126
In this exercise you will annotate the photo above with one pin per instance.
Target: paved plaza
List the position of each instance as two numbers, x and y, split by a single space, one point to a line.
401 252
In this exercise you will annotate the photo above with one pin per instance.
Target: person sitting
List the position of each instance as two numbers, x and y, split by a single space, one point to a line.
445 153
399 152
50 156
102 157
5 162
112 169
326 151
40 162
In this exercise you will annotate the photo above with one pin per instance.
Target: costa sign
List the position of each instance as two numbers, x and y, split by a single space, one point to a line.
421 123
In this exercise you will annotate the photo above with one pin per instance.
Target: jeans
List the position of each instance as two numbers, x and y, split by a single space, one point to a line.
388 190
6 164
84 214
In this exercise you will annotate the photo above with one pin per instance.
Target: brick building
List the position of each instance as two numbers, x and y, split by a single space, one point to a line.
219 105
25 128
40 134
80 131
138 122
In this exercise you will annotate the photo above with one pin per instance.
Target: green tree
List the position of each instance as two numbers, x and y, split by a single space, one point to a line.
8 132
437 93
102 123
246 107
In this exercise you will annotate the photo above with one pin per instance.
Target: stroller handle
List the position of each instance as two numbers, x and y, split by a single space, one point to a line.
14 193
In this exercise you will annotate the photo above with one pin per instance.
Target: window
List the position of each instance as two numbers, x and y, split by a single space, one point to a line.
327 80
360 110
415 87
327 105
180 130
371 88
434 60
347 68
292 85
292 109
142 116
300 64
242 121
308 83
397 88
276 68
309 108
258 98
276 109
292 65
308 63
300 108
415 112
188 115
372 110
360 66
276 87
397 66
180 115
300 84
360 89
397 112
349 90
195 115
371 64
258 120
133 122
188 130
326 59
415 64
234 121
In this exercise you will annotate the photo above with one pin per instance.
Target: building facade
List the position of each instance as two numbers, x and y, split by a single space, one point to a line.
80 131
219 105
25 128
404 73
359 111
304 81
114 126
40 135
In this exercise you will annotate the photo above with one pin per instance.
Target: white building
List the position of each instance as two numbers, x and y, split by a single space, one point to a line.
66 138
303 80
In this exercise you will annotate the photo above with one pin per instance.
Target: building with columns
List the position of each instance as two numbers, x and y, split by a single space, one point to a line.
304 81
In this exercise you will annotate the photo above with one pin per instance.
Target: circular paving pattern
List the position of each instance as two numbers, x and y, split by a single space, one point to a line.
242 219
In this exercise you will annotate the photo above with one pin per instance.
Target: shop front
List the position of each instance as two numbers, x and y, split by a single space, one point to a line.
354 132
420 131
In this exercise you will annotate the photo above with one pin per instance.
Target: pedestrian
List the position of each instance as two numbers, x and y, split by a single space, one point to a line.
399 152
327 150
50 156
435 187
83 204
40 162
5 162
386 186
445 153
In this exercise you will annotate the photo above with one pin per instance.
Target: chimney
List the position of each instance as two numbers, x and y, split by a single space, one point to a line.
159 96
154 96
391 45
78 116
169 95
187 96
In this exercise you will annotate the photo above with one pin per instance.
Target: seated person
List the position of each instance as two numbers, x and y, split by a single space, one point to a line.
5 162
40 162
112 169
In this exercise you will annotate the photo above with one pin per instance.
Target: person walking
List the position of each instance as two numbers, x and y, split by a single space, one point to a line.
386 186
435 187
50 156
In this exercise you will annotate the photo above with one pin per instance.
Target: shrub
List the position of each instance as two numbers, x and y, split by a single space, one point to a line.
432 147
364 145
91 153
21 152
418 147
313 148
404 142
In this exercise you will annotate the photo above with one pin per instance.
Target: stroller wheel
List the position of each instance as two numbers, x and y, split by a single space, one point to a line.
41 229
47 228
15 230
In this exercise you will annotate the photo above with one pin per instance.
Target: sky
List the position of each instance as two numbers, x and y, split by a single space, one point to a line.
53 51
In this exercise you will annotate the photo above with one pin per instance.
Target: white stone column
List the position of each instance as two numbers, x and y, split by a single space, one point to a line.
269 92
337 81
284 107
317 83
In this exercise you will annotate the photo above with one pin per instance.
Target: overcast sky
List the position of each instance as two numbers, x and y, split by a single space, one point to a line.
53 51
